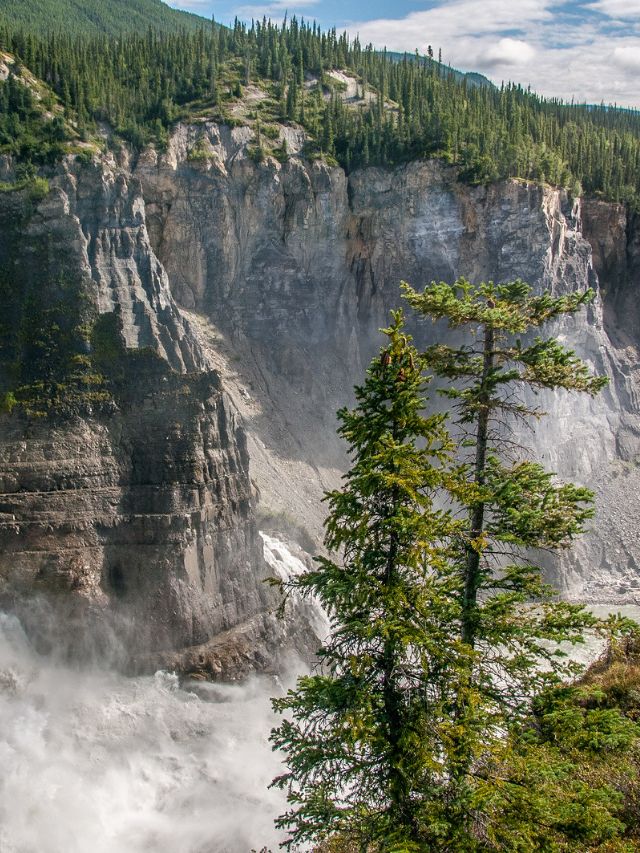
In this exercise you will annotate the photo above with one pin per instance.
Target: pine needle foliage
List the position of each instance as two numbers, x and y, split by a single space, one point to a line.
443 630
569 778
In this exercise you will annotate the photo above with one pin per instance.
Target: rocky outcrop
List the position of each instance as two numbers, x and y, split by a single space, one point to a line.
613 233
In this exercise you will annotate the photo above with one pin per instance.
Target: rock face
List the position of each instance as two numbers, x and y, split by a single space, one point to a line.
247 300
296 267
133 522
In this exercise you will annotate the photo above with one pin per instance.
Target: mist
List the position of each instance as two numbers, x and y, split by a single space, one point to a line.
96 761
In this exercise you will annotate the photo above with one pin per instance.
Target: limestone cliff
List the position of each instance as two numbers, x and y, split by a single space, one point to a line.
231 306
130 518
296 266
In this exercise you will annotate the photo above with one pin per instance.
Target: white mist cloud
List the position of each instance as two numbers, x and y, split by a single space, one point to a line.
94 761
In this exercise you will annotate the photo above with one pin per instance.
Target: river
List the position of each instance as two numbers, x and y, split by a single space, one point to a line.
94 761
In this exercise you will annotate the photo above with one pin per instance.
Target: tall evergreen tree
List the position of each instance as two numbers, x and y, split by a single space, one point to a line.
443 629
356 743
510 620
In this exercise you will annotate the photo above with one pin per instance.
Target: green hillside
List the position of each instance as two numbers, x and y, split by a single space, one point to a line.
358 106
89 17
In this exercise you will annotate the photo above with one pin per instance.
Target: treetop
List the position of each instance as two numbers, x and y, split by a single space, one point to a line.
512 307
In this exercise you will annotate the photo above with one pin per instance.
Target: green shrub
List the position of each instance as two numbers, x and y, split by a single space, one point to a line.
271 131
38 189
8 402
198 153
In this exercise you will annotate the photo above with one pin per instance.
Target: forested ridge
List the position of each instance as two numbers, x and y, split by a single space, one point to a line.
91 17
141 83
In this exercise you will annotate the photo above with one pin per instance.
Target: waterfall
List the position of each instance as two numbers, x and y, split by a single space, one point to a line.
93 760
287 566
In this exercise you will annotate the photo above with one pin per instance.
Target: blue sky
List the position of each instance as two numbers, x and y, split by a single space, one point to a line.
586 49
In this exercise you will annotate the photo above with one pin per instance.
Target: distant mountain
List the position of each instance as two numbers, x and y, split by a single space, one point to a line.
95 16
471 77
475 78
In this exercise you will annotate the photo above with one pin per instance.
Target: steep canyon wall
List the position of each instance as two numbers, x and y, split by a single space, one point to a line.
297 265
247 299
126 525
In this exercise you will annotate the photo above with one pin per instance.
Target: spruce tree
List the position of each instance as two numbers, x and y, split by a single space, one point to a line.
356 737
444 631
510 621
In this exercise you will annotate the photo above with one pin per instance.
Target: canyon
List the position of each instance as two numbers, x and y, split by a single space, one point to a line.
249 297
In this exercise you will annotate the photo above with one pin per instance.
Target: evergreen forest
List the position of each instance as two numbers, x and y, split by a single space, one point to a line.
87 17
396 110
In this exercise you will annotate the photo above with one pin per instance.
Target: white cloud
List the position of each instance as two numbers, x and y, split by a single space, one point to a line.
200 7
274 10
527 42
627 58
452 22
508 51
618 8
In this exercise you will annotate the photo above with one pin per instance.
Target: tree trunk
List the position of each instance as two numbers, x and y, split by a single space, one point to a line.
472 566
398 793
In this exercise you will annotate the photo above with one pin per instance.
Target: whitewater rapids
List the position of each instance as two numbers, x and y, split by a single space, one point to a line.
94 761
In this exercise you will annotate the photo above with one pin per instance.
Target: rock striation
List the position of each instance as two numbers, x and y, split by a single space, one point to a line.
127 528
246 299
297 265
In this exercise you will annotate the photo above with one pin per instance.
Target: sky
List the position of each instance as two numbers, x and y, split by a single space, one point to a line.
583 49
